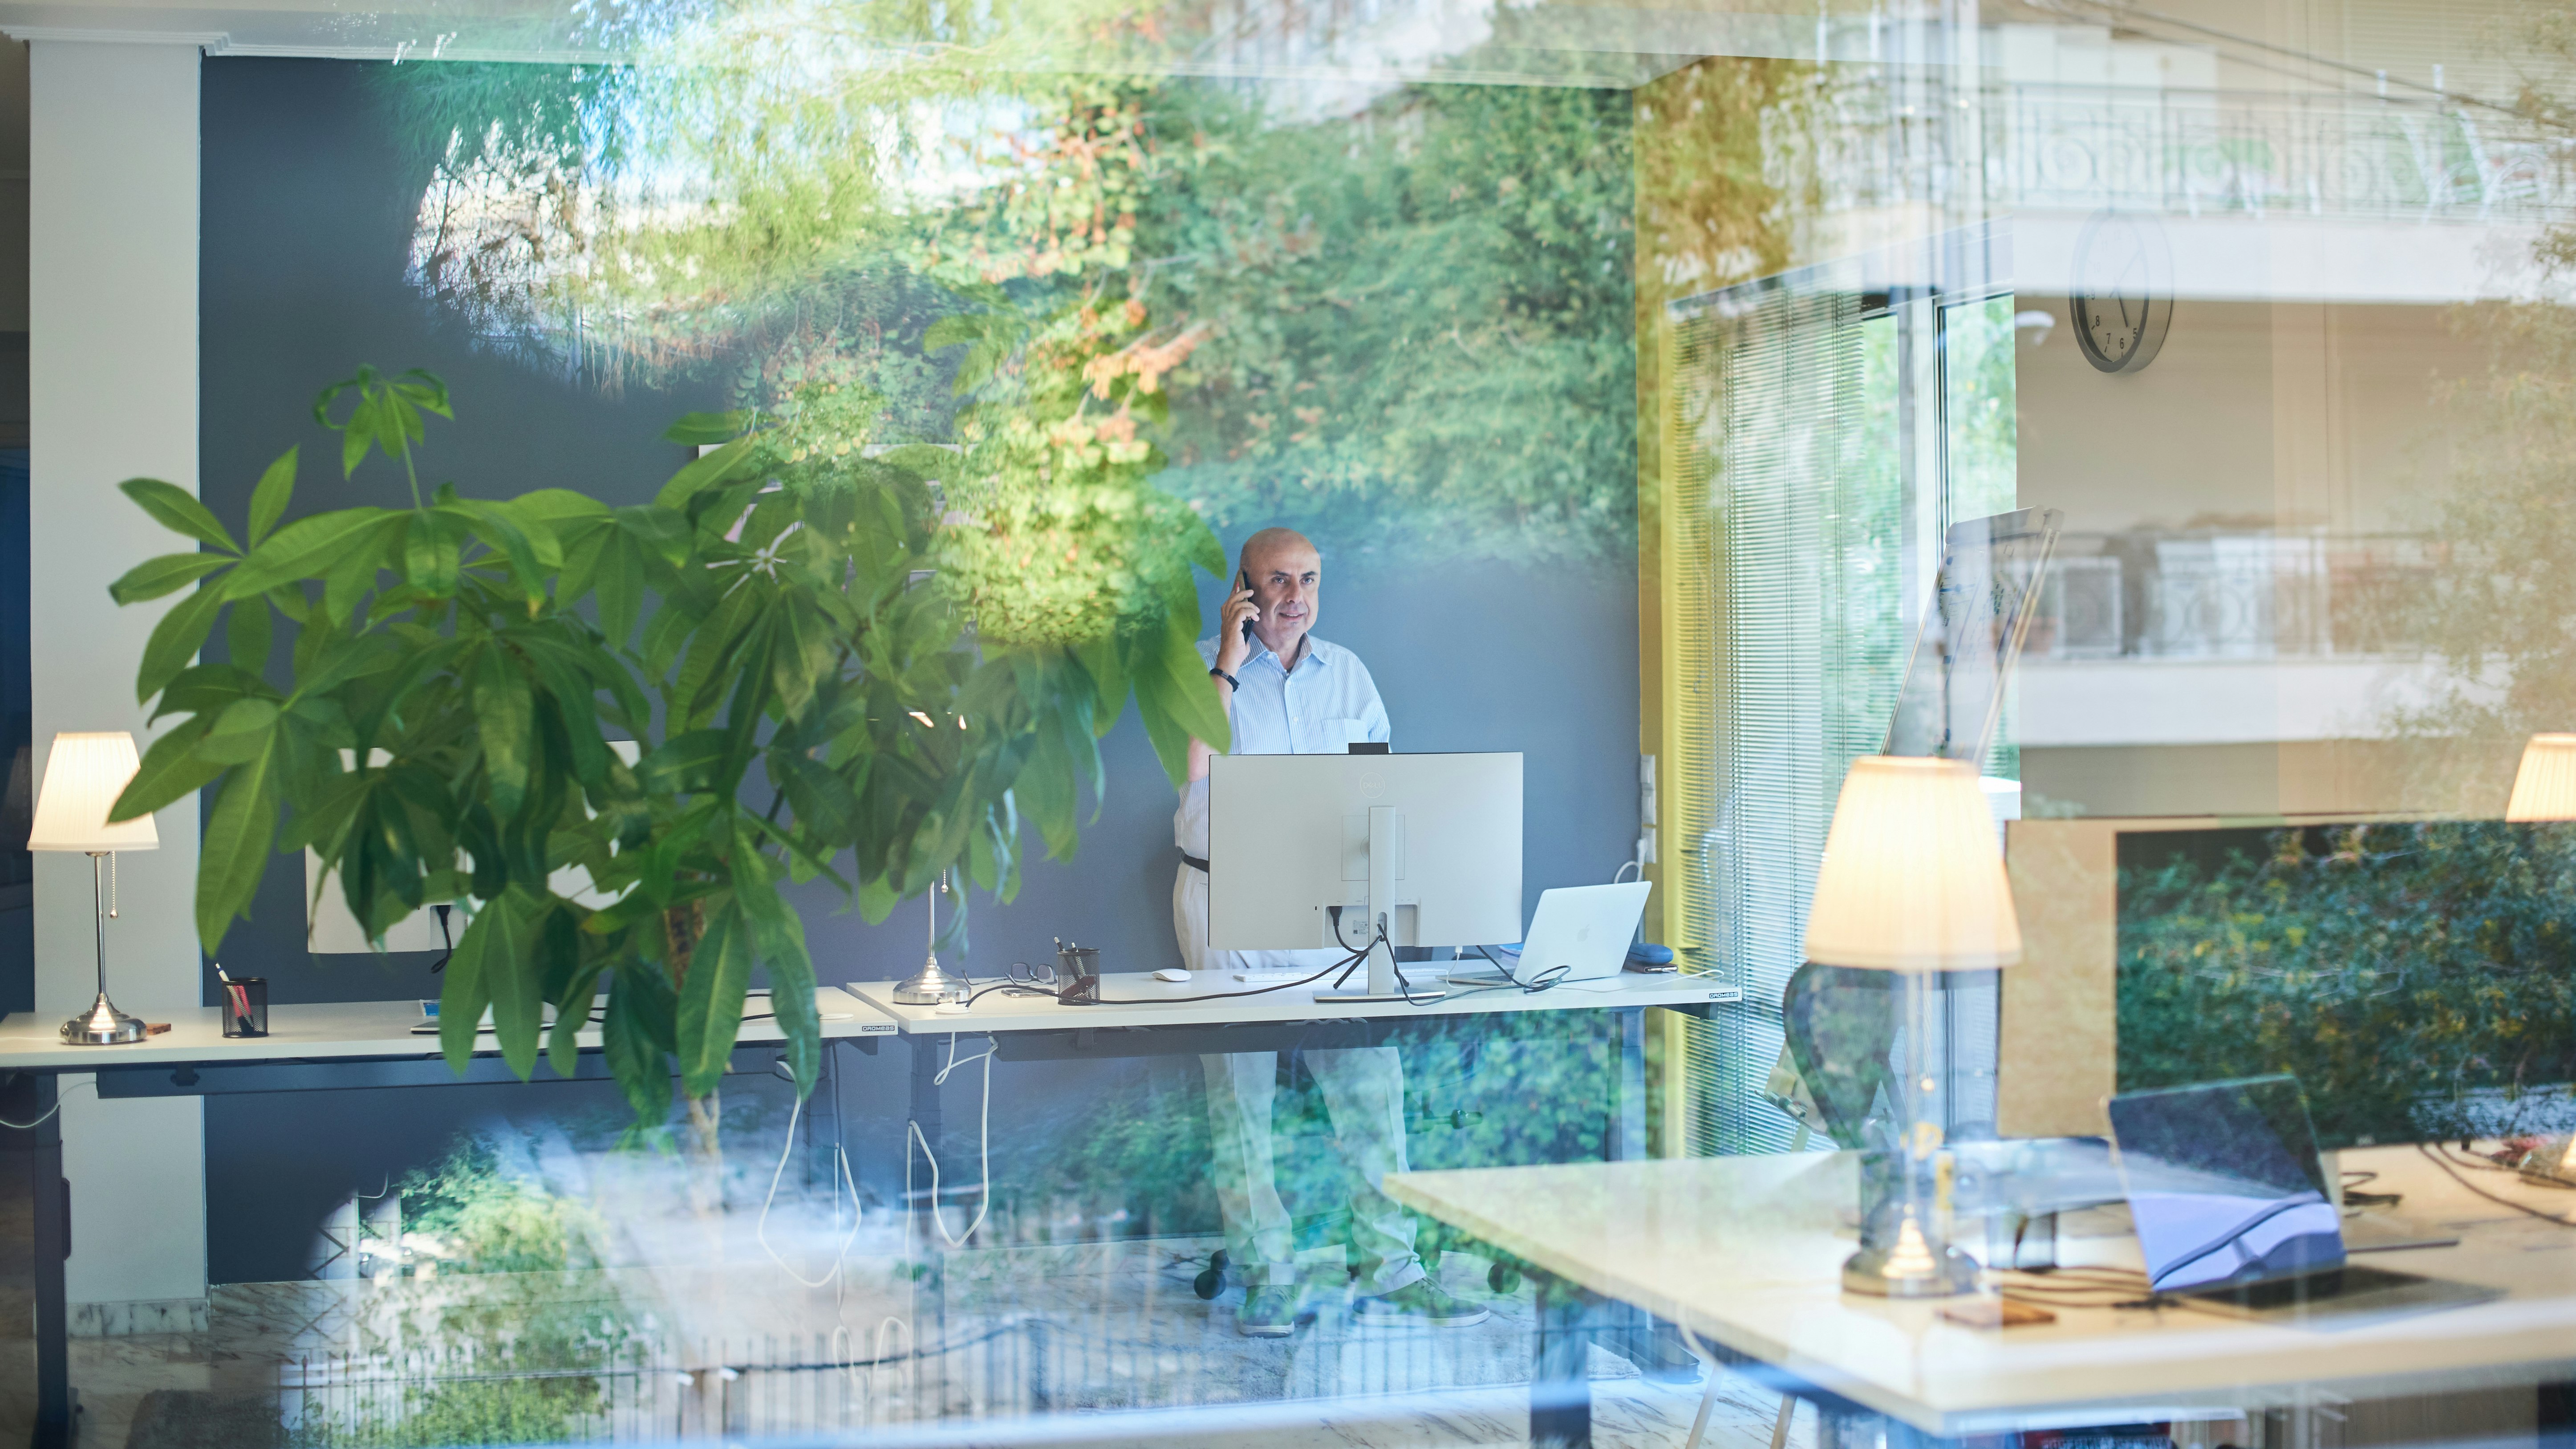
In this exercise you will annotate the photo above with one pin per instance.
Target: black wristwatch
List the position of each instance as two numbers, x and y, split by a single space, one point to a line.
1231 681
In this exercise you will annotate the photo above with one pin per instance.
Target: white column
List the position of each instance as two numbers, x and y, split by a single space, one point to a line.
112 257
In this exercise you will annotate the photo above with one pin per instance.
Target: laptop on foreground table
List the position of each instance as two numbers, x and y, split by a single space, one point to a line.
2233 1209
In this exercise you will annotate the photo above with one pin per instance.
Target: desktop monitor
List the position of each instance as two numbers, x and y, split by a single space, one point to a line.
2418 978
1429 843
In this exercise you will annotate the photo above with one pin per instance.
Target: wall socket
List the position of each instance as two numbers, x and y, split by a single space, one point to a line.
1645 811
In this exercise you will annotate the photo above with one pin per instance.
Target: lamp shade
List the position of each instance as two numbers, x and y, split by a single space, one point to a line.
2545 787
1912 879
83 776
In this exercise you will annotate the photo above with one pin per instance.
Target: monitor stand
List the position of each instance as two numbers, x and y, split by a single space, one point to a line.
1383 824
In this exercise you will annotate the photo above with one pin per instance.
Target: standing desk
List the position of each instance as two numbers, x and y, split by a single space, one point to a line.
1746 1252
336 1047
1142 1017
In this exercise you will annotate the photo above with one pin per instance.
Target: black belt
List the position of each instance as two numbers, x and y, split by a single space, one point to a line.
1194 863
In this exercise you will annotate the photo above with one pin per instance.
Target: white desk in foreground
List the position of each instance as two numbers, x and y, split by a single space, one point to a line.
1745 1252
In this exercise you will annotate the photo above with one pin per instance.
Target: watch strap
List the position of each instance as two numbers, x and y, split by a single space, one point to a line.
1230 680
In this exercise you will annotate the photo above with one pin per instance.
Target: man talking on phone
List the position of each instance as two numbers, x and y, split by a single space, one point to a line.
1290 693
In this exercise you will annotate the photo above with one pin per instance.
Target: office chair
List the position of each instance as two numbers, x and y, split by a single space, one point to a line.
1841 1024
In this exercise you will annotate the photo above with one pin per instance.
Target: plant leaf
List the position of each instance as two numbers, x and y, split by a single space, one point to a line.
431 553
572 1013
696 429
167 574
268 500
171 770
712 468
780 934
1101 660
248 633
512 975
710 1001
637 1040
241 733
178 510
233 854
464 990
176 640
1191 698
310 548
505 719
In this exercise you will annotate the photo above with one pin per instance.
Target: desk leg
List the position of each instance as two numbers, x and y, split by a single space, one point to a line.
2557 1417
53 1243
1626 1137
1561 1381
1632 1333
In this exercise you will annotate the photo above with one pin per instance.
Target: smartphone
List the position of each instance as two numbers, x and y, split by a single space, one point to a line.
1244 585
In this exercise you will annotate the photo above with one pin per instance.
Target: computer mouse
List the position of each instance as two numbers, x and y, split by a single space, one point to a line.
1171 973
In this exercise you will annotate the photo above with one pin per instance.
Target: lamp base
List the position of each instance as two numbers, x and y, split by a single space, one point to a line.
1947 1274
931 986
1911 1267
104 1025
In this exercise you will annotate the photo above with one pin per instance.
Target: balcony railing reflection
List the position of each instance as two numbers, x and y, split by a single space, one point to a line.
2213 594
2347 156
2199 152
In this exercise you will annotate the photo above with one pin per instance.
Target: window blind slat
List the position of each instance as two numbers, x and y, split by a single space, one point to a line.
1783 502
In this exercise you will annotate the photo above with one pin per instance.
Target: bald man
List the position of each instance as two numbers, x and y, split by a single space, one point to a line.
1287 692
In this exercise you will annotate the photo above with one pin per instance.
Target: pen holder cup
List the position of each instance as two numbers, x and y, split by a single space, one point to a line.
1077 974
244 1004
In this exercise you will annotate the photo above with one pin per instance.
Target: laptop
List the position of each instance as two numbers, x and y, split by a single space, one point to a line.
2232 1207
1585 930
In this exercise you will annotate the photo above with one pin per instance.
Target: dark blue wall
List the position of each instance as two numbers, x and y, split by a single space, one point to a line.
308 213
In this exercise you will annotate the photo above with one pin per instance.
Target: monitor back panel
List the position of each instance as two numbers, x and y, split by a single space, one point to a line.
1288 836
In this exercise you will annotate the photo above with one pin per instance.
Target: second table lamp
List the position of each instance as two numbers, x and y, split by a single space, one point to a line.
83 776
1913 882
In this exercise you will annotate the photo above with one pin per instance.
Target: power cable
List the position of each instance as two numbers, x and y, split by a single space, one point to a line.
59 1099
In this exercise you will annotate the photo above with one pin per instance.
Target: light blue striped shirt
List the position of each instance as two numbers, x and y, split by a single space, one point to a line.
1320 709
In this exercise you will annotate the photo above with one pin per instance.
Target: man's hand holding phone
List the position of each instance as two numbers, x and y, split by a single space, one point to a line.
1234 632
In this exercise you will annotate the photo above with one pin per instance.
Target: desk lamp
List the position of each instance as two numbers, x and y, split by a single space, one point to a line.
2544 788
1913 882
931 985
83 776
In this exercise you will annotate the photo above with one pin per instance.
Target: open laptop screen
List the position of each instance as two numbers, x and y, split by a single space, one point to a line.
2224 1184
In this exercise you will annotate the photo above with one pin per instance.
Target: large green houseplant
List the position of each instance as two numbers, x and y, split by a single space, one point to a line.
460 667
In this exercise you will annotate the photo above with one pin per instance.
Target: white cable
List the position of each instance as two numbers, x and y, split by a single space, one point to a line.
761 1230
1626 867
59 1098
851 1378
984 1143
911 1347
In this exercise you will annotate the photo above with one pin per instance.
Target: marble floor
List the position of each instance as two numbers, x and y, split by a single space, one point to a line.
1096 1344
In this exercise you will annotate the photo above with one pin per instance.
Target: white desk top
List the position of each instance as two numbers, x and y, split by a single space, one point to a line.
1157 1004
28 1041
1743 1251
